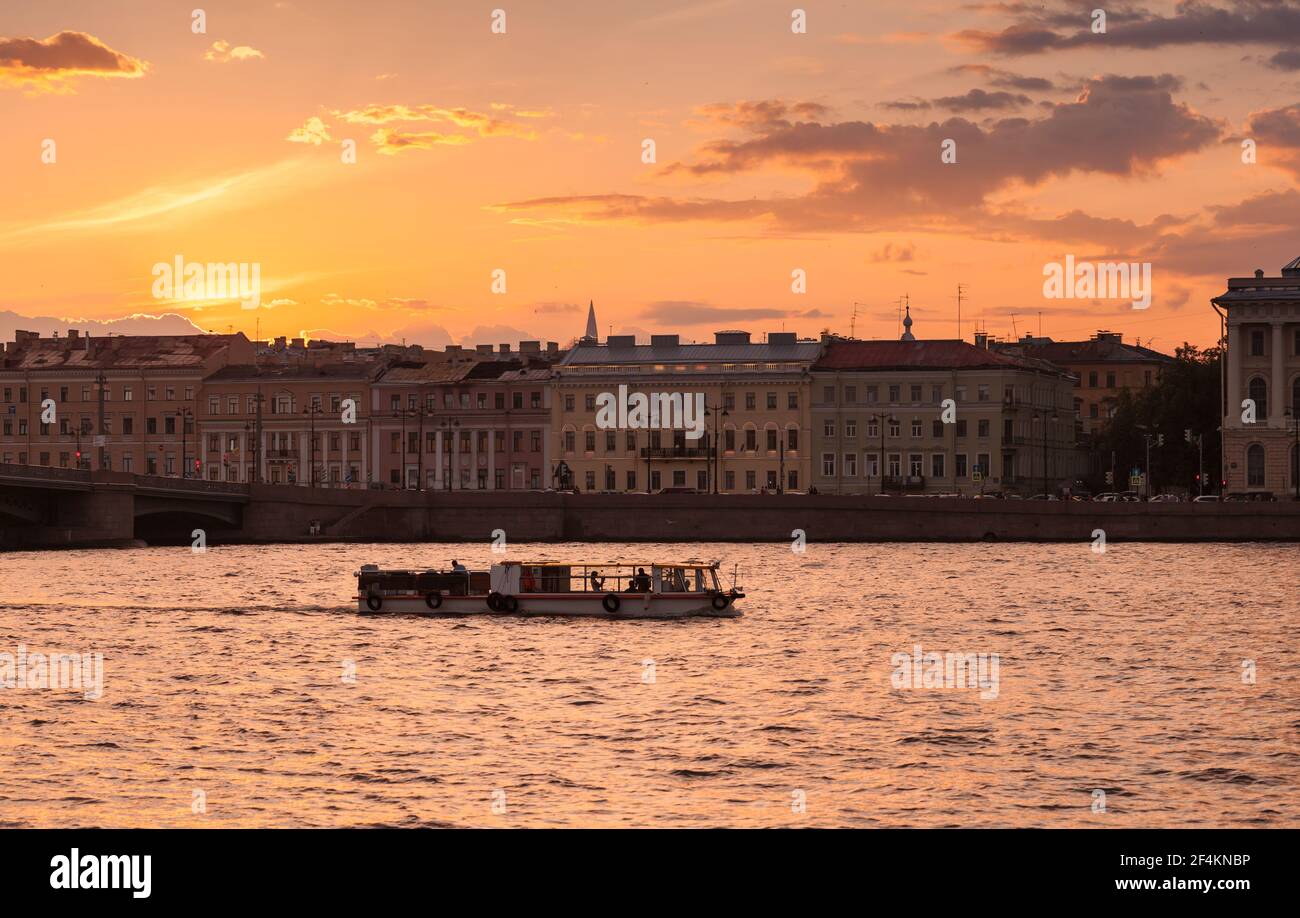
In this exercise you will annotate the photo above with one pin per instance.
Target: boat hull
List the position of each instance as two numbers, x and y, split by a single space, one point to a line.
632 605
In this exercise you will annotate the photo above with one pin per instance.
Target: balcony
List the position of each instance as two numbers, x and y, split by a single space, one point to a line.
677 452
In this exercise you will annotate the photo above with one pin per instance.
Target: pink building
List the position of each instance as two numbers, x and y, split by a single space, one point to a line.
442 426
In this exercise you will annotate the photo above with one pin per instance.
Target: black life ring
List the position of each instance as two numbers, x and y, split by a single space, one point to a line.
720 601
434 599
494 601
509 604
374 602
611 602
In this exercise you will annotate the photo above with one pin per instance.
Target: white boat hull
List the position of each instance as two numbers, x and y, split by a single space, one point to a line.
631 605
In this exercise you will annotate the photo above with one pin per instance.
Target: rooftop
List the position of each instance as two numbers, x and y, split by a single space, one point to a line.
29 351
944 354
729 347
1104 347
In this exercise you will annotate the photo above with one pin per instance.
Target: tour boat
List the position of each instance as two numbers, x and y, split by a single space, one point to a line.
615 590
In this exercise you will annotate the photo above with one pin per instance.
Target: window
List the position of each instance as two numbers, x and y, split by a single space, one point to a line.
873 429
851 465
751 401
395 442
828 428
590 439
873 393
1092 379
611 442
1258 392
936 394
792 438
570 438
959 465
729 440
499 402
751 480
1257 342
916 428
751 439
568 403
982 460
631 441
894 427
850 394
851 429
1255 466
128 424
517 400
771 439
679 478
936 429
982 392
828 395
792 398
535 442
591 481
729 401
871 467
828 465
771 401
915 465
631 480
894 394
961 394
535 399
1110 380
214 405
916 393
936 465
589 402
729 481
894 465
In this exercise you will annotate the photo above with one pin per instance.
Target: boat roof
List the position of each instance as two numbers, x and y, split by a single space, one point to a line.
557 563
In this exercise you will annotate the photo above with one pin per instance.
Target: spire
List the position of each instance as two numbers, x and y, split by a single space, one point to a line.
592 333
907 326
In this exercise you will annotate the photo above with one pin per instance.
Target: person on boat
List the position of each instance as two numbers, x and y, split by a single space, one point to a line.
457 567
528 582
597 581
641 582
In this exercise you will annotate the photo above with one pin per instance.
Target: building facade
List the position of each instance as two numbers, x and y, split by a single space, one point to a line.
292 421
1103 367
940 417
127 403
1261 316
482 426
755 425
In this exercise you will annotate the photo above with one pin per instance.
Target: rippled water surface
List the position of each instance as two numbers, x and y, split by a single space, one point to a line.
224 674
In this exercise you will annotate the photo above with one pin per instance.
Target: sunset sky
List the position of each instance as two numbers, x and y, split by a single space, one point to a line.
522 151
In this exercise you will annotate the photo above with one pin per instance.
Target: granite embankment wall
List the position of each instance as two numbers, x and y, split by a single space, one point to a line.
286 514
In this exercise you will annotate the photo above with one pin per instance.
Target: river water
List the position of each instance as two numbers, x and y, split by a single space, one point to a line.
1149 685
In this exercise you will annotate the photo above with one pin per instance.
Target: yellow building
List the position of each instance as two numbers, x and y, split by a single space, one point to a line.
747 401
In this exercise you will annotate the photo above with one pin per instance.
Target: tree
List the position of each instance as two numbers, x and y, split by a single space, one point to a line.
1186 397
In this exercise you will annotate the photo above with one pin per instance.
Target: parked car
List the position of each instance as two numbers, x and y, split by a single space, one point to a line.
1206 499
1166 499
1129 497
1044 497
1106 497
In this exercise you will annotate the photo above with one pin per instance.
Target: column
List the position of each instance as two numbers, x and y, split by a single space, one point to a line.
1277 390
343 443
304 460
262 457
437 461
243 442
455 459
1233 418
473 459
491 469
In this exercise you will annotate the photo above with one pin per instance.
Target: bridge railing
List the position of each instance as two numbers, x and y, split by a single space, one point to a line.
43 473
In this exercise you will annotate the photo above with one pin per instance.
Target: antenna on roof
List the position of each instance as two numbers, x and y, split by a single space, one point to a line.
1014 333
961 292
853 323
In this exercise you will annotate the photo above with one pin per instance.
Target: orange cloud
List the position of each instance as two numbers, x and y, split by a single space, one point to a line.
222 53
50 64
313 131
391 142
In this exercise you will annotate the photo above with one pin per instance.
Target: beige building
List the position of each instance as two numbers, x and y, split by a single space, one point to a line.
878 416
126 403
755 418
1262 317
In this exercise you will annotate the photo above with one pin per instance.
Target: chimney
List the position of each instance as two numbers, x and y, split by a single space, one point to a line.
621 340
782 338
530 347
483 348
664 340
552 347
1259 274
731 337
503 349
982 340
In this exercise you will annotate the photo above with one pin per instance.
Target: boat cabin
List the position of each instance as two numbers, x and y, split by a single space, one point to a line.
520 578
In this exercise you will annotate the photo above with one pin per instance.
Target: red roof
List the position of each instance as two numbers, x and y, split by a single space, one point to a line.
917 355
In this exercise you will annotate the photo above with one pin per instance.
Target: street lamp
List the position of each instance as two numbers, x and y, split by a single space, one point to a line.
717 454
311 411
1045 418
449 428
183 415
1295 452
881 419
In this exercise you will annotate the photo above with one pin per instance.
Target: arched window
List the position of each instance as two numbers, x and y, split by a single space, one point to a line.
1255 466
1258 393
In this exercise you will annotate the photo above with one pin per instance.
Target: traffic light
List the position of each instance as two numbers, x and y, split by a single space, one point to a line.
197 464
78 455
1160 439
1110 478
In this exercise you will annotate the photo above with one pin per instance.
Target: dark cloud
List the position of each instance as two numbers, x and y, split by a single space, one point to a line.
48 62
135 324
1267 22
1286 60
977 100
1005 79
689 312
1277 136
